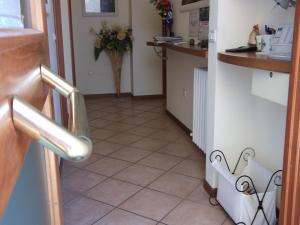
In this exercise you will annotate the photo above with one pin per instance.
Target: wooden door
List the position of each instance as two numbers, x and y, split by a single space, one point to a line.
290 205
22 51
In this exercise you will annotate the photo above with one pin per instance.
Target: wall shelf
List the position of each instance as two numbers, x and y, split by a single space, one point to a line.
252 60
184 48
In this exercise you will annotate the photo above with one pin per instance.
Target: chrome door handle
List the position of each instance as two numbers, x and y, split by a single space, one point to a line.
78 122
54 137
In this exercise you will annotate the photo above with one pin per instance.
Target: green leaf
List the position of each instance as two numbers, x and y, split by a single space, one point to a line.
97 52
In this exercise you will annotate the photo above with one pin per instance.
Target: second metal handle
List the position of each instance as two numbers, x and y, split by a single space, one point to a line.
54 137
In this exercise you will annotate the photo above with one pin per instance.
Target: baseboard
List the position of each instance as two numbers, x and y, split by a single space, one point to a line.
127 94
179 123
147 96
95 96
209 189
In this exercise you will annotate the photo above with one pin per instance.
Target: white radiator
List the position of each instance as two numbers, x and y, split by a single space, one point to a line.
199 108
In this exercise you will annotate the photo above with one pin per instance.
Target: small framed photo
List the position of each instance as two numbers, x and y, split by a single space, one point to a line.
99 7
188 5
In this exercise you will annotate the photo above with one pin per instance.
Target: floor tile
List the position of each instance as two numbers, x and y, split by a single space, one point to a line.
90 160
157 124
149 116
198 156
131 112
81 181
102 134
151 204
134 121
144 107
142 131
115 117
121 217
166 135
229 222
93 115
175 184
160 161
68 196
119 127
140 175
112 192
93 107
179 150
190 213
112 109
125 139
150 144
99 123
130 154
106 148
191 168
199 195
108 166
67 170
84 211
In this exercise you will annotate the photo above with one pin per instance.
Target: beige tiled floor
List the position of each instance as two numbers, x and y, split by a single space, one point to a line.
144 170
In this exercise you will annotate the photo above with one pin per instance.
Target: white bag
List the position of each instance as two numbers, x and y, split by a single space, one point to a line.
243 207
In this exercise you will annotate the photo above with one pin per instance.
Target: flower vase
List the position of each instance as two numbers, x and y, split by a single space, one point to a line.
116 59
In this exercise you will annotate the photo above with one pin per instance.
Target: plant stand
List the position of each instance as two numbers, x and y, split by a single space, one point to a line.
246 195
116 59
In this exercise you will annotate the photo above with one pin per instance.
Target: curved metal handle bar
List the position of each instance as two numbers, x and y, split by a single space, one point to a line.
52 136
245 154
217 154
78 122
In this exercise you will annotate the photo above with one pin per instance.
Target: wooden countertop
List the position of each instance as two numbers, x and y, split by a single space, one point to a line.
253 60
184 48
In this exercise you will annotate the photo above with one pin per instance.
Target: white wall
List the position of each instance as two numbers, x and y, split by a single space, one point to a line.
237 119
180 85
147 66
180 72
96 77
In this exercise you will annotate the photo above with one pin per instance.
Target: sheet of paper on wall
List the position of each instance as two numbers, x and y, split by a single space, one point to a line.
194 23
203 23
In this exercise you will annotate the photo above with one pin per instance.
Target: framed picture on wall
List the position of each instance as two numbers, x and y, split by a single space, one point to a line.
99 7
188 5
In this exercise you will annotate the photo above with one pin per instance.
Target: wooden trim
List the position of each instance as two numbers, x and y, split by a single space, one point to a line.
184 48
210 190
16 38
53 174
290 203
59 38
60 57
72 43
252 60
147 96
179 123
95 96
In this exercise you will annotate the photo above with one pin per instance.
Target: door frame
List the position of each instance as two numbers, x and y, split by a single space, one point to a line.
290 203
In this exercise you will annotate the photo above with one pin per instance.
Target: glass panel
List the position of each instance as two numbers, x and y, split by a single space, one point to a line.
10 14
108 6
92 6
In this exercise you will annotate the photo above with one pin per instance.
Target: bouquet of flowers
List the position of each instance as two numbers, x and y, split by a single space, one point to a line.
115 41
163 6
112 38
166 12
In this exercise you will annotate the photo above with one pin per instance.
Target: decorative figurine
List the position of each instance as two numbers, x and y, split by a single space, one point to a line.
253 34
